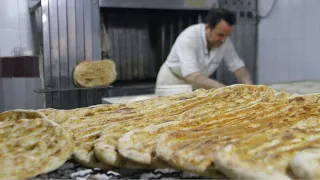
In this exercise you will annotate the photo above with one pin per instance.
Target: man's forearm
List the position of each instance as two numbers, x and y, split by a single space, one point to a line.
202 82
243 76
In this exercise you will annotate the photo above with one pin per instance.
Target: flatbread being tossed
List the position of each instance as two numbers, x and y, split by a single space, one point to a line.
30 145
94 73
139 145
268 153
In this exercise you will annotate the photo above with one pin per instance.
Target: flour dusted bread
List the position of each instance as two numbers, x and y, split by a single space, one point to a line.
191 149
86 129
106 145
148 112
306 163
94 73
140 145
60 116
268 153
30 145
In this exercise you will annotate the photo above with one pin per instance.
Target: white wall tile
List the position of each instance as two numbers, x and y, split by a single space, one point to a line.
20 94
34 100
15 29
9 14
9 39
8 94
292 32
1 94
23 14
26 39
7 108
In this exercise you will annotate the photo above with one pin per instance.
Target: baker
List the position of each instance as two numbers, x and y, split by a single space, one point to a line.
198 51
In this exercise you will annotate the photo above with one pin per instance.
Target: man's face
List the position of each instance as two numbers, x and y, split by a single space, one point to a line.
217 36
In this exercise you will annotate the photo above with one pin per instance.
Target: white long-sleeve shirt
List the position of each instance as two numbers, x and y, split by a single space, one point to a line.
190 54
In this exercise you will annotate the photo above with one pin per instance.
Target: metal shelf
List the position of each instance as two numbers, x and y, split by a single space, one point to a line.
51 90
111 87
159 4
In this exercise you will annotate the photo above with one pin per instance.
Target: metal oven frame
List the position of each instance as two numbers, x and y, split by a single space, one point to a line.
69 31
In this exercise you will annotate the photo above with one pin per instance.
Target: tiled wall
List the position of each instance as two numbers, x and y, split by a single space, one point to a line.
19 78
15 29
16 91
289 41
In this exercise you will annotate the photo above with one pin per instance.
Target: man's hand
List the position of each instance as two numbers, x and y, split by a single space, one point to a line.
201 81
243 76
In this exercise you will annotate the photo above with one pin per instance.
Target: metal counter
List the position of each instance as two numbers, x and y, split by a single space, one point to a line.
72 170
299 87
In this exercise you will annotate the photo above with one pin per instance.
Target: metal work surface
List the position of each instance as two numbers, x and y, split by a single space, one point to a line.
158 4
72 170
299 87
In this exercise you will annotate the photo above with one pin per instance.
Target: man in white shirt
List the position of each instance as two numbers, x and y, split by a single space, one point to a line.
198 51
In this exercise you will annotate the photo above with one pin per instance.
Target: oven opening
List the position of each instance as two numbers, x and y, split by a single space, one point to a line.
139 40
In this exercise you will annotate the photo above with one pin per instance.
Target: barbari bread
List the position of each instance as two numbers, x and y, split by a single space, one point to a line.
60 116
177 147
139 145
86 129
306 163
268 153
95 73
30 145
151 113
192 149
106 146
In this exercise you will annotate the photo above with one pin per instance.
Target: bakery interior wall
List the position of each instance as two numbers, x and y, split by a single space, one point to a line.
288 45
19 74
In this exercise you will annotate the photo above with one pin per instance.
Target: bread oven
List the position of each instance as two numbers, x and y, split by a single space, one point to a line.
136 35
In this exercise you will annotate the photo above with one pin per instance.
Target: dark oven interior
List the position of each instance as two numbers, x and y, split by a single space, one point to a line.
141 39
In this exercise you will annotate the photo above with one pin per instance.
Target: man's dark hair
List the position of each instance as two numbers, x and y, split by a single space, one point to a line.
215 15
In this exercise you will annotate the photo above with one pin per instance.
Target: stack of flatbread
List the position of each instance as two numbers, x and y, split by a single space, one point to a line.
94 73
239 131
30 144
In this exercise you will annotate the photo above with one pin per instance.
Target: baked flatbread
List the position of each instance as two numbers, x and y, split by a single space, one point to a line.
85 130
191 149
30 144
106 146
306 163
60 116
95 73
139 145
267 154
146 113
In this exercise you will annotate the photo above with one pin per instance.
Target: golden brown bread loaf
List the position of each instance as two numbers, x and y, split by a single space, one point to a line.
94 73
